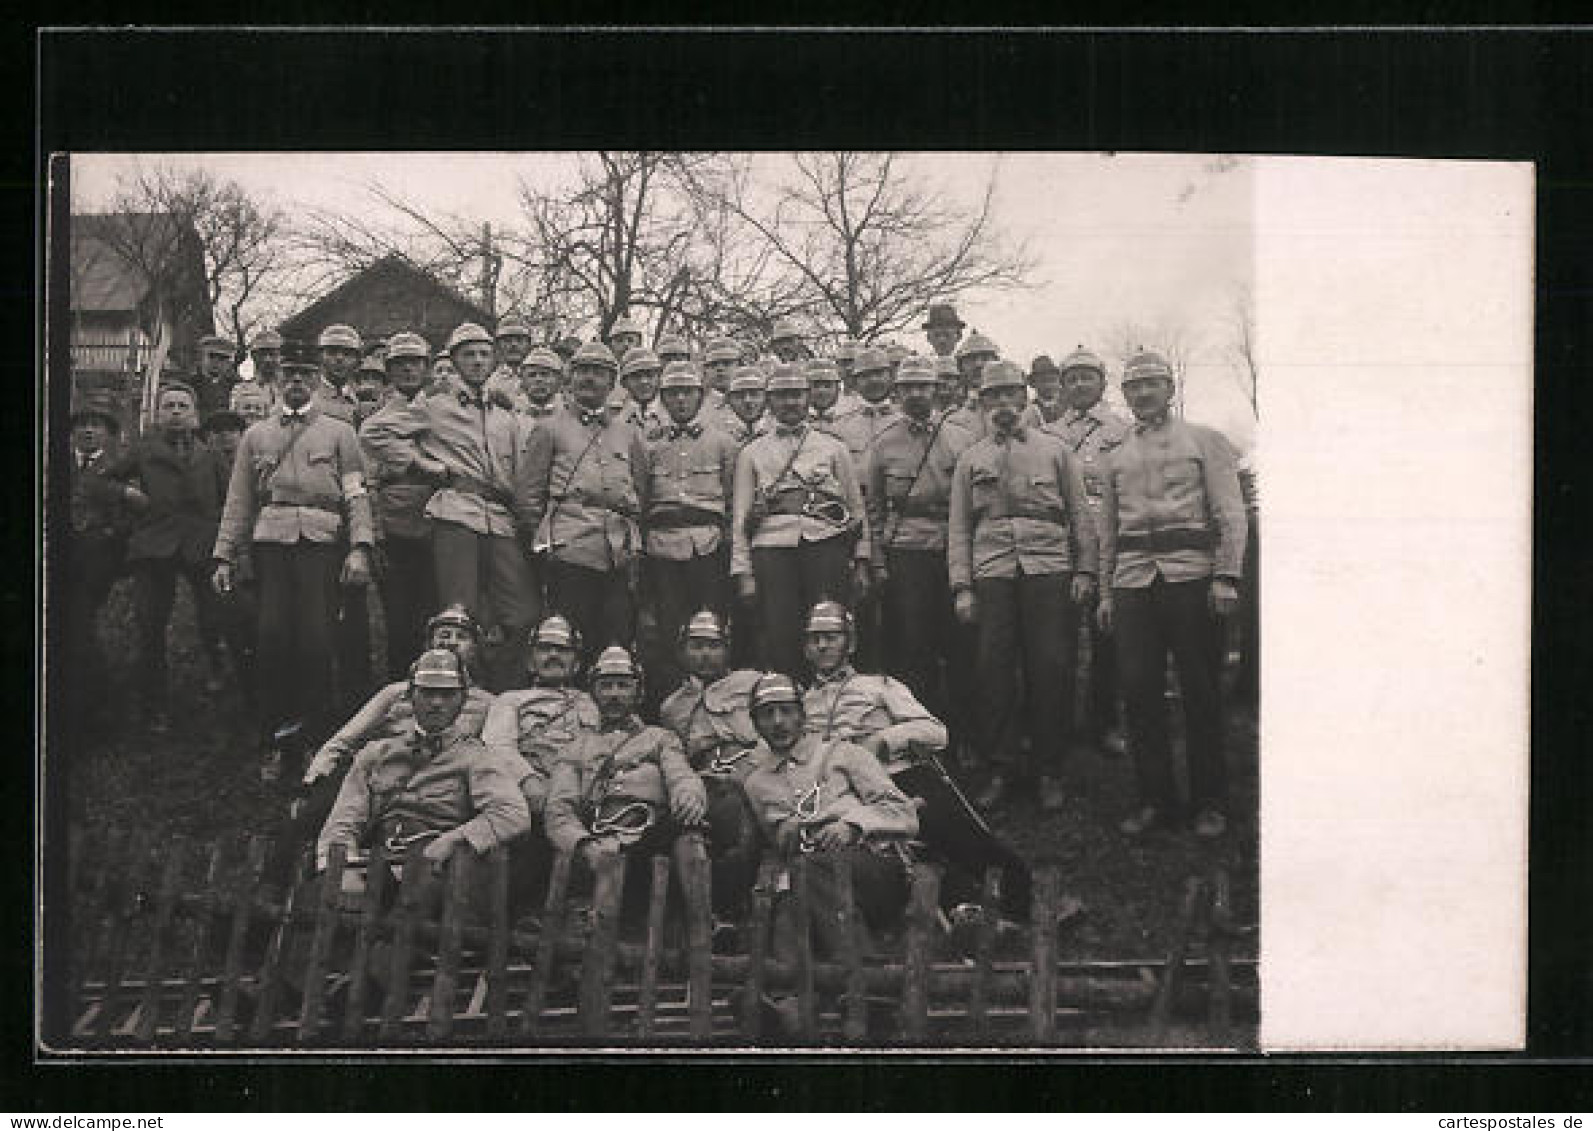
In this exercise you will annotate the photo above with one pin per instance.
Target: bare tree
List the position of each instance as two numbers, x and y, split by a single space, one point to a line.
1242 325
867 245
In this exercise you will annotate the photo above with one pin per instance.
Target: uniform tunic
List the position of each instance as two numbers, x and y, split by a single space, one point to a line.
714 723
817 782
333 401
1091 435
859 428
390 713
627 763
848 705
539 725
691 475
822 468
586 482
909 484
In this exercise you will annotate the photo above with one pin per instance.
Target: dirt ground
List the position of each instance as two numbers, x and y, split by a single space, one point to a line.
201 782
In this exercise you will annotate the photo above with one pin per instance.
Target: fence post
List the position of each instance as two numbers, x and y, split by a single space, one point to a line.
204 928
269 983
1167 990
692 855
757 951
498 943
548 944
598 963
456 904
854 1007
243 897
1042 975
126 905
984 940
165 901
1220 934
922 909
377 875
658 893
417 875
326 917
802 900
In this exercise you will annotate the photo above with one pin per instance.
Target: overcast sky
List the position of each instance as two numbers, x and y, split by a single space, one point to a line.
1159 239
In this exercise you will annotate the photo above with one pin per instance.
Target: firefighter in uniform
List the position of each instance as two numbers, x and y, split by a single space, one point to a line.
909 502
859 428
708 713
340 349
1173 543
785 341
1022 559
626 789
844 355
639 374
297 491
1092 432
943 329
472 451
586 490
973 353
535 395
623 337
407 573
825 401
745 415
719 361
513 343
672 348
691 472
799 533
265 353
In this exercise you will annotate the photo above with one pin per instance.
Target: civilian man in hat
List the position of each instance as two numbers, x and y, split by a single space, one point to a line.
297 494
943 329
1173 543
624 336
786 342
216 375
340 352
177 505
639 374
909 504
1092 432
859 427
96 549
473 452
691 472
400 495
1022 560
709 713
513 344
586 490
799 532
1046 403
829 801
625 790
882 716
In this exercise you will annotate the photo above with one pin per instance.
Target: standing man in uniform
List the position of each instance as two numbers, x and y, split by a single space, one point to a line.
297 492
473 452
824 383
1022 559
720 361
408 573
216 375
340 349
691 472
513 344
1173 545
623 337
844 355
785 342
1092 432
639 373
943 329
672 348
909 504
585 491
859 428
536 395
799 532
265 354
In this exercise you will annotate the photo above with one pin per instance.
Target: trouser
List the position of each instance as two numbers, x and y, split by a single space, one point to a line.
680 589
490 576
1149 622
879 895
598 602
354 645
746 637
957 837
298 606
638 863
1247 681
92 565
154 591
919 618
1101 692
409 598
791 580
733 847
1023 622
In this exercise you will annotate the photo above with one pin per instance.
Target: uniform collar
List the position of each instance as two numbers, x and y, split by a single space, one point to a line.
630 724
1143 426
792 430
300 416
839 675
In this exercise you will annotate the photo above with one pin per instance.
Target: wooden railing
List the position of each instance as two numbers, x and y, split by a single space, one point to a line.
179 947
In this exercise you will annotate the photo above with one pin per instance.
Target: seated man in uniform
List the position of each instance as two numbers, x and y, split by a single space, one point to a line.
881 715
625 789
708 712
826 800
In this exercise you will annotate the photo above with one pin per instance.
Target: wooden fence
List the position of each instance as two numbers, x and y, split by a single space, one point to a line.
182 947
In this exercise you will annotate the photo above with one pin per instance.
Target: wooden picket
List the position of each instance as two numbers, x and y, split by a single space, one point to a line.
218 960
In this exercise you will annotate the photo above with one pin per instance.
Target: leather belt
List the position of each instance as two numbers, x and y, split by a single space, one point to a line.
1169 540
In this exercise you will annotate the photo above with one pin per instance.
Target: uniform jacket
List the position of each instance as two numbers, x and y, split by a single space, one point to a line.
649 421
1091 435
822 467
714 723
691 474
333 401
1172 507
848 705
539 725
185 494
98 504
631 762
399 497
389 714
586 487
970 418
1018 501
1037 414
455 784
859 427
481 444
295 479
851 786
909 484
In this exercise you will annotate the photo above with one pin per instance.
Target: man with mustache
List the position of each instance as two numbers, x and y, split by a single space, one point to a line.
1172 551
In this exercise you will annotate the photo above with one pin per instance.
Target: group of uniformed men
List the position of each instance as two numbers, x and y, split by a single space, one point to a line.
752 531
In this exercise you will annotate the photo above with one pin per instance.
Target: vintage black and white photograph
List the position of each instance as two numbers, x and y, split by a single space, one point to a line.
525 601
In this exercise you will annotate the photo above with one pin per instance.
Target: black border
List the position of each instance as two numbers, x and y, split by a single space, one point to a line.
1519 95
